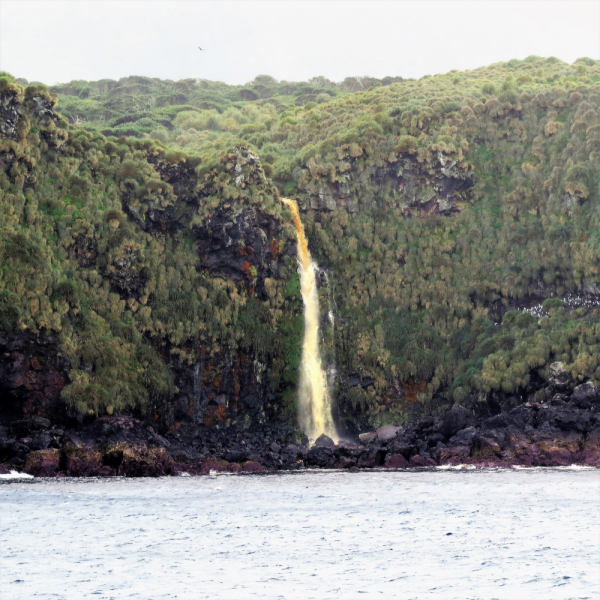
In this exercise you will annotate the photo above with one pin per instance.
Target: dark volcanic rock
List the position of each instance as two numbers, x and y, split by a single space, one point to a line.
585 394
42 463
456 419
85 462
32 374
373 457
320 456
419 461
141 461
463 437
324 441
395 461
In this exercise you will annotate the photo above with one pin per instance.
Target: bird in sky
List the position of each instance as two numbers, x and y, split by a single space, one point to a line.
199 48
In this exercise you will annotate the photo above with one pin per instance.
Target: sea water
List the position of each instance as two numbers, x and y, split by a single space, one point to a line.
526 534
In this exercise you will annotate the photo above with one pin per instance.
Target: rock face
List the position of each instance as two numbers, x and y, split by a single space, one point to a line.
422 192
32 375
244 247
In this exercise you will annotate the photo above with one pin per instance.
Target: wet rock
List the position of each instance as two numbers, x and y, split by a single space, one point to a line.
374 457
388 432
591 451
320 456
344 462
252 467
324 441
365 437
420 461
215 465
456 419
552 454
42 463
456 455
141 461
395 461
85 462
276 448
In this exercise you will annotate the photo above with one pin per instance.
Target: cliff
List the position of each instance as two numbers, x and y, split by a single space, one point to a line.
149 294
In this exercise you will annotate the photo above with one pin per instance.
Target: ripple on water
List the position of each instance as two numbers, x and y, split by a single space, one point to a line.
451 534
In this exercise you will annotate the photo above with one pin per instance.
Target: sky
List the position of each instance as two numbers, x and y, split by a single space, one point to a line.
56 41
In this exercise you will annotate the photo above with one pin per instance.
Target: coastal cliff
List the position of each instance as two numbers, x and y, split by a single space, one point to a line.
150 306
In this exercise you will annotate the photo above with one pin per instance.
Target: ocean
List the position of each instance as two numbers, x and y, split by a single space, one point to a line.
451 534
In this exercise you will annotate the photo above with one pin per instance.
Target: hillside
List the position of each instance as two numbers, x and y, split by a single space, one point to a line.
148 267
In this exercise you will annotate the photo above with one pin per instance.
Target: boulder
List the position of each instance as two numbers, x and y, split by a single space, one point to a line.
320 456
463 437
40 422
401 446
40 441
388 432
365 437
42 463
585 394
456 419
561 379
141 461
552 454
395 461
85 462
324 441
373 457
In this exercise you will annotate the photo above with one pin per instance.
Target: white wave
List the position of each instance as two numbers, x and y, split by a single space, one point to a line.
16 475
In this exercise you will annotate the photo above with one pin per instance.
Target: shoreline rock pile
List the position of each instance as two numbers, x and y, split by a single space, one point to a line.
561 429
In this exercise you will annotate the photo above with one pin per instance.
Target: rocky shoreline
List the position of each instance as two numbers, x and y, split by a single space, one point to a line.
560 429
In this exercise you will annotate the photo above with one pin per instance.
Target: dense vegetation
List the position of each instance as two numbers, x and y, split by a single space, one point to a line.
440 208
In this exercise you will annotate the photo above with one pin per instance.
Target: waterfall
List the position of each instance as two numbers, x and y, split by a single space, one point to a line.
313 393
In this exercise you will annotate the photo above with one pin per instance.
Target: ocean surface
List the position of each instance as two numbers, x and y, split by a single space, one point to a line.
511 535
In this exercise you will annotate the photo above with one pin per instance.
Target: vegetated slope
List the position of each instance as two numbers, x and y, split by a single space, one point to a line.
441 211
128 282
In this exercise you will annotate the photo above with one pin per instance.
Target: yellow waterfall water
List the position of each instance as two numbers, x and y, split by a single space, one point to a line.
313 394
